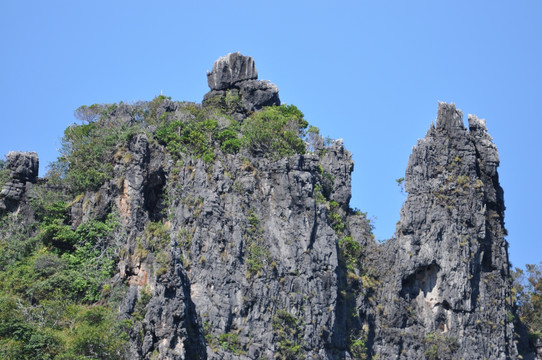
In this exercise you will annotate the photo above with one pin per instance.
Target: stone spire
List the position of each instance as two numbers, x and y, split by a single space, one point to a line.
449 278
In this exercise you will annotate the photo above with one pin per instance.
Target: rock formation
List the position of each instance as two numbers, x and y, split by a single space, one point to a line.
23 169
233 80
449 278
231 69
253 257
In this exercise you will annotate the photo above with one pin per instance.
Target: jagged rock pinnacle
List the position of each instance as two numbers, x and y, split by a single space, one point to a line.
451 262
448 116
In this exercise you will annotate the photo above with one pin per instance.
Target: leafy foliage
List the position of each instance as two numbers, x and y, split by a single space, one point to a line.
50 286
199 136
230 342
155 239
528 287
357 347
88 150
86 156
89 114
288 330
275 131
335 218
257 254
350 252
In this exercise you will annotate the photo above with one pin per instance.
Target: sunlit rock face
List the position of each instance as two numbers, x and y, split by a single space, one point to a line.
231 69
249 256
23 172
449 282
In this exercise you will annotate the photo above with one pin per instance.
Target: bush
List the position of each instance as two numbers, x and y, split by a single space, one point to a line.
86 158
528 289
287 329
95 335
200 135
230 342
275 131
350 253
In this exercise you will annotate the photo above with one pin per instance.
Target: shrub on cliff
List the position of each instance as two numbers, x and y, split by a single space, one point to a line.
528 287
86 156
275 131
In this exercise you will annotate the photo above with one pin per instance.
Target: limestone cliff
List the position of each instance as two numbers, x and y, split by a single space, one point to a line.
448 285
236 254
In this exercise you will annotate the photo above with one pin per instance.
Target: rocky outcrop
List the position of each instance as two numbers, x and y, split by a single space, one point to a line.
258 246
231 69
23 171
234 85
252 257
448 289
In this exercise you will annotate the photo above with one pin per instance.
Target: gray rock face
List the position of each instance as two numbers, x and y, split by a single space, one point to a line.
231 69
254 267
23 169
448 288
256 245
253 258
234 86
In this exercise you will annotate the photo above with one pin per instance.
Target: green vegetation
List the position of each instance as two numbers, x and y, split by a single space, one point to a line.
86 155
401 183
257 255
59 331
91 149
439 346
528 290
319 198
350 252
156 238
336 220
288 332
275 132
228 103
230 342
357 347
198 137
140 309
52 280
462 180
56 299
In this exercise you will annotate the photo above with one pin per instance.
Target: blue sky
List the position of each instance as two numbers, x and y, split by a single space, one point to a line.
371 73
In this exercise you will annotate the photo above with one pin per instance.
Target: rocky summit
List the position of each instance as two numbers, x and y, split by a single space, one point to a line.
223 230
233 77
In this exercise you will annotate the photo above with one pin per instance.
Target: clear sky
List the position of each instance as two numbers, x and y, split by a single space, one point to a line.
370 72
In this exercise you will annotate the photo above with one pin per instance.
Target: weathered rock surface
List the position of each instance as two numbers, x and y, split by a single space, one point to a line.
23 169
233 81
447 291
253 258
231 69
